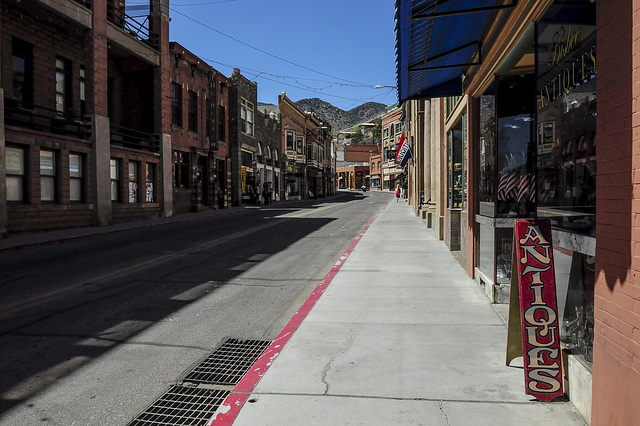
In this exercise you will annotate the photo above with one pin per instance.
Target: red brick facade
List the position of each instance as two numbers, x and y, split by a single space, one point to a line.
85 98
616 358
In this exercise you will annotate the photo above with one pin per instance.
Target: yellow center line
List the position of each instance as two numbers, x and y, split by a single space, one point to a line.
14 308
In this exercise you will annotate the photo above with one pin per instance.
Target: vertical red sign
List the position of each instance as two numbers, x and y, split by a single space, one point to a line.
538 309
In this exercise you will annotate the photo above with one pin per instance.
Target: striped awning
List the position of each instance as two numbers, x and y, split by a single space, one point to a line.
436 41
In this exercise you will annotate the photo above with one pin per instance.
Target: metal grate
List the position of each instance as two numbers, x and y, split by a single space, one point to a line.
227 364
182 406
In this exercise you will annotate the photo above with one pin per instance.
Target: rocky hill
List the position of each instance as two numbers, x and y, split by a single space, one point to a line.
338 118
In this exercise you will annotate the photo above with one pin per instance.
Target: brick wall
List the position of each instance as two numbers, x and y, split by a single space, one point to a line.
360 153
616 363
48 42
196 81
62 213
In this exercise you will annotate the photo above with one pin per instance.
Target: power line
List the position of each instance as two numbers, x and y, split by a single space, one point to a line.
264 51
259 74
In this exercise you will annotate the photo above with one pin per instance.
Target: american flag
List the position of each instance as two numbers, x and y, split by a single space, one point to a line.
517 184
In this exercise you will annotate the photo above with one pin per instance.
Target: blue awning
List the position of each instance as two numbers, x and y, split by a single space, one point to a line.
436 40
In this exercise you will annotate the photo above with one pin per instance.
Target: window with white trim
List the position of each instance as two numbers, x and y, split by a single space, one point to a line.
114 166
290 140
246 116
133 182
150 181
48 174
76 182
15 167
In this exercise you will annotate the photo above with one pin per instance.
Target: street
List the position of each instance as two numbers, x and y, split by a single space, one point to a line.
93 330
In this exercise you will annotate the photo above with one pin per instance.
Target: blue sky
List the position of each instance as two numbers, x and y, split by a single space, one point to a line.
335 50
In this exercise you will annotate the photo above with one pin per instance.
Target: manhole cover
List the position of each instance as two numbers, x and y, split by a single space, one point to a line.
229 363
182 406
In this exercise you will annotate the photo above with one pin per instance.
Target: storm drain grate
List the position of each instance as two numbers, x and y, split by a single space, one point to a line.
182 406
227 364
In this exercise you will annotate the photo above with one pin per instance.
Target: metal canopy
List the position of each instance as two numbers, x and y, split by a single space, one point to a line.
436 40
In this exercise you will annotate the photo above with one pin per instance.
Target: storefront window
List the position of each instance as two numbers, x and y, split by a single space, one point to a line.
566 88
566 151
76 174
15 168
486 166
455 184
150 182
516 191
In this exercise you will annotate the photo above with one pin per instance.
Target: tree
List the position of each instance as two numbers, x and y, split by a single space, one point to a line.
357 137
377 132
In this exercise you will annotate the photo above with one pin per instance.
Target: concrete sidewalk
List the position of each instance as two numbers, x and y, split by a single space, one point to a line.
401 335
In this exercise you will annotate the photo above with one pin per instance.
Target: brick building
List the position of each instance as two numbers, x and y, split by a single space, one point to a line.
353 165
527 90
255 142
375 171
84 104
306 143
199 133
391 131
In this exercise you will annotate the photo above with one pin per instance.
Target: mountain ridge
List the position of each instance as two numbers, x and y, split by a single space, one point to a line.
338 118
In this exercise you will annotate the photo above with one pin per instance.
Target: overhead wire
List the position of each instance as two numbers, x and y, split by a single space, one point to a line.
264 51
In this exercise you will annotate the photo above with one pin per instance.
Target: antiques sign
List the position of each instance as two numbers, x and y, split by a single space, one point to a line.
538 307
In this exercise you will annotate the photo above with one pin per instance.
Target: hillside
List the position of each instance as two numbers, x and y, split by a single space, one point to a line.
338 118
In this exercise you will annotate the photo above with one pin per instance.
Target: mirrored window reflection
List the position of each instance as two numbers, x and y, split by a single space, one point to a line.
486 166
455 171
516 190
566 118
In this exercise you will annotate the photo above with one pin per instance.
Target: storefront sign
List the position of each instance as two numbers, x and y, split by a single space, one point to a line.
568 75
538 308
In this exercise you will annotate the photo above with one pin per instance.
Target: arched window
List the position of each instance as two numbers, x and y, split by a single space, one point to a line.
268 153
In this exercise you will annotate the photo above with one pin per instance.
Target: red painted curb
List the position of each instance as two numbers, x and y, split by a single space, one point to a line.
230 408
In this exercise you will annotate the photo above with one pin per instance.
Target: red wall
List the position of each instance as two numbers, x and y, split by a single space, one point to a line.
616 364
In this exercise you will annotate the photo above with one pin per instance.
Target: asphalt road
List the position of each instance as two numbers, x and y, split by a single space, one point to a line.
92 331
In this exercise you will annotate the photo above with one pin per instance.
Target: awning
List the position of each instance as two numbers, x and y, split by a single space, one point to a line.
436 41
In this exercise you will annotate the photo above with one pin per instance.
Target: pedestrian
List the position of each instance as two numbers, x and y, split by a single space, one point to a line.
265 193
257 194
397 193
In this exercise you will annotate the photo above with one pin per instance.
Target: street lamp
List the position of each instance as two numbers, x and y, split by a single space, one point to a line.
382 86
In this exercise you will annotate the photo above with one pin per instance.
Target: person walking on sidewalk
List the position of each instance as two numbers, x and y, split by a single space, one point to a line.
265 193
397 193
257 194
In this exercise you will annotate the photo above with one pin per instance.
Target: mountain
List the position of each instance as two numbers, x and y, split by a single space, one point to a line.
340 119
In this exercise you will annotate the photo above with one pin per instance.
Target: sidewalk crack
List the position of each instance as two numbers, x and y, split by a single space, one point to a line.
441 406
329 364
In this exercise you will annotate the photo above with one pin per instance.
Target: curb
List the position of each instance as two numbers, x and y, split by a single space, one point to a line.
228 411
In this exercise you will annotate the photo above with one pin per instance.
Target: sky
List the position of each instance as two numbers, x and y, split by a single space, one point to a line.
335 50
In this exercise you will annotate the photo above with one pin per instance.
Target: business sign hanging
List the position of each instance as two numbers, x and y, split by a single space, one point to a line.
539 311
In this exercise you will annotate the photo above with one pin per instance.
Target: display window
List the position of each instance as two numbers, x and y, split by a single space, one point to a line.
487 155
566 116
456 176
566 159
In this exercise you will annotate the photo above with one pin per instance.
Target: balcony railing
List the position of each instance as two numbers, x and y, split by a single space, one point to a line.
137 25
34 117
134 139
85 3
